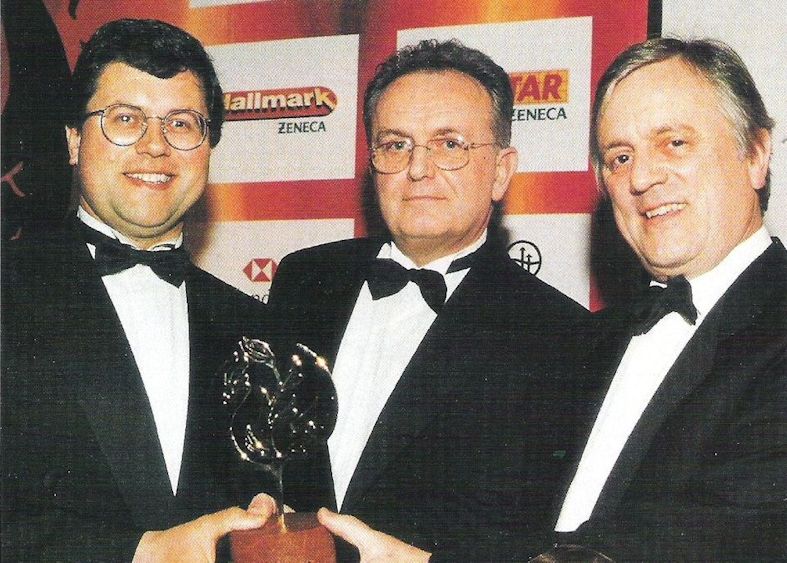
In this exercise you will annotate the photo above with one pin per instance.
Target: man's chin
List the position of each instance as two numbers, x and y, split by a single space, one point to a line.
150 233
667 265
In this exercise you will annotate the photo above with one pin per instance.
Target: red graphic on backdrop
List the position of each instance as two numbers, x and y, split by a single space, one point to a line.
9 179
312 101
260 269
540 87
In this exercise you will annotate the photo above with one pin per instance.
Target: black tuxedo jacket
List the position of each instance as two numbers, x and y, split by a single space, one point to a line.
703 476
83 472
475 435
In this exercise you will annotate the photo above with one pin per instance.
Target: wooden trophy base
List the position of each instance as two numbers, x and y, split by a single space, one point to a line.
295 538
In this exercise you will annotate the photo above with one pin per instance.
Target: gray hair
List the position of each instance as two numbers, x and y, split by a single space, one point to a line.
716 61
431 55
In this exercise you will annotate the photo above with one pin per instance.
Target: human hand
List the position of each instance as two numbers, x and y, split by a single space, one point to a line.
374 546
195 541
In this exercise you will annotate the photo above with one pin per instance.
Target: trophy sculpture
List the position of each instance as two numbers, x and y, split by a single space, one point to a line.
278 415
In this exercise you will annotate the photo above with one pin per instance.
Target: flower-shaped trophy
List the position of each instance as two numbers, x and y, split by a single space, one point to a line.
279 412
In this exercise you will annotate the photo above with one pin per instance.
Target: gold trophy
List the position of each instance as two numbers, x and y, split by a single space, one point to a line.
278 415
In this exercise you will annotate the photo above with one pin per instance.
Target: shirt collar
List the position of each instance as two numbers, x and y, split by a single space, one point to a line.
391 251
102 227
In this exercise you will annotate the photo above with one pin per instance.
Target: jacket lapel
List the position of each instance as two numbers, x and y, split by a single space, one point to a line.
309 482
341 294
424 383
689 370
612 330
109 388
204 388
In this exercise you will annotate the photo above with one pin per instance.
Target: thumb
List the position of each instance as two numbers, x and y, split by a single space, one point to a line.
235 518
263 504
349 528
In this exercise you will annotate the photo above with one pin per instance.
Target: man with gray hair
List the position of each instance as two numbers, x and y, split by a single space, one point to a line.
686 457
447 423
686 450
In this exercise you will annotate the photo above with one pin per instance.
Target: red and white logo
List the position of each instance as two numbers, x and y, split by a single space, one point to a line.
260 269
540 87
311 101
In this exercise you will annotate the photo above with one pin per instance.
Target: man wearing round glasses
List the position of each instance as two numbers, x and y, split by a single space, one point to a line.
114 436
444 351
124 125
152 169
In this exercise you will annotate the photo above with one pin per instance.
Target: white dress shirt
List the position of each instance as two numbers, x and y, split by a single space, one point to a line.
154 315
380 340
644 366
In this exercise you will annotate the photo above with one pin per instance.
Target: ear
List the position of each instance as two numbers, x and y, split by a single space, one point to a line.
507 160
73 138
759 158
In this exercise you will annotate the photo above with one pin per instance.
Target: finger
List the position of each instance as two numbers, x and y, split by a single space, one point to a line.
263 505
347 527
234 518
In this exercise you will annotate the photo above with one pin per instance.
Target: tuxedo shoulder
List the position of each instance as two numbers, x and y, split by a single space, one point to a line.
756 302
773 265
342 250
30 251
339 260
17 255
42 263
611 314
537 294
778 272
225 303
219 288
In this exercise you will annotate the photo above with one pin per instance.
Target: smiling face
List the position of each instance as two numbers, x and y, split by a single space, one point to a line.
431 212
683 191
142 190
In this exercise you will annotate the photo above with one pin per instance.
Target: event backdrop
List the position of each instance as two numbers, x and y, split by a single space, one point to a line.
291 169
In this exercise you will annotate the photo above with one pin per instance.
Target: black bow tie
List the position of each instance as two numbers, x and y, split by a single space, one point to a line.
386 277
657 302
112 256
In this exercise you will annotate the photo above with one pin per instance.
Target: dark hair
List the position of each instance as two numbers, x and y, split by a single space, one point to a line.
151 46
435 56
719 65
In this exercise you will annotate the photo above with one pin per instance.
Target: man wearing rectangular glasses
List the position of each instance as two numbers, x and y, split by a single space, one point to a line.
113 441
442 431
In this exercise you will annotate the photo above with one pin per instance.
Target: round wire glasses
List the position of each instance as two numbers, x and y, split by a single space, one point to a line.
124 125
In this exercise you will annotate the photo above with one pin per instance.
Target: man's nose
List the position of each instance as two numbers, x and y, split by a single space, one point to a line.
647 170
421 165
153 141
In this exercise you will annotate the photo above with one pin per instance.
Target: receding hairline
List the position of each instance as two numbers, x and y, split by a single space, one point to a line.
722 106
438 71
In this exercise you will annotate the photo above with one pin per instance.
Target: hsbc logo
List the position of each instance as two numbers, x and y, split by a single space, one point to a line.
260 269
